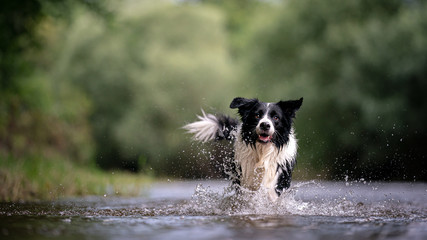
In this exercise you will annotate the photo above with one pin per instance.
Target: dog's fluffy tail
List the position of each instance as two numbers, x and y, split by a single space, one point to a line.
211 127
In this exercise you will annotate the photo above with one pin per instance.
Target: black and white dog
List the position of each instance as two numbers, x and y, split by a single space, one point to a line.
265 147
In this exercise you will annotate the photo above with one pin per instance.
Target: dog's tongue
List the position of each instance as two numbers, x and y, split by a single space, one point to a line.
264 138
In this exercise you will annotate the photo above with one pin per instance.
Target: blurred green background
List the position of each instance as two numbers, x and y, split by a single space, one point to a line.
108 84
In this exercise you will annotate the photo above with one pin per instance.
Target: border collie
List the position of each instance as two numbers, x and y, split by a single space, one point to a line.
265 146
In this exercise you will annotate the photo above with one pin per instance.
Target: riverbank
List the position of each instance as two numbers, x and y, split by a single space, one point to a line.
39 178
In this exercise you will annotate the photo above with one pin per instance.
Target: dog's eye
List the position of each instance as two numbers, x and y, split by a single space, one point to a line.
257 115
276 118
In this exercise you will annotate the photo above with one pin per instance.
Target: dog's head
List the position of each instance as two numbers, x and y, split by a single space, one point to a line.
266 122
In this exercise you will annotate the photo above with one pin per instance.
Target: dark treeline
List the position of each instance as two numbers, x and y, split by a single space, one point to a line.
111 83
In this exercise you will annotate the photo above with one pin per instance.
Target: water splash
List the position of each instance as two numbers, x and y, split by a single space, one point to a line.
232 201
360 200
205 201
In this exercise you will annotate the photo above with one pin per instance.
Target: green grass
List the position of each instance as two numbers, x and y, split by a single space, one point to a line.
39 178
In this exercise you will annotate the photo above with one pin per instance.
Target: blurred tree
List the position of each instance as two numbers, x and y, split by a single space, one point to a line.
134 81
240 17
144 75
18 24
28 124
361 67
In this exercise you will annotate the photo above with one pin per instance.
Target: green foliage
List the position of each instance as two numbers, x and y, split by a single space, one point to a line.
240 18
359 66
144 74
45 121
34 117
118 88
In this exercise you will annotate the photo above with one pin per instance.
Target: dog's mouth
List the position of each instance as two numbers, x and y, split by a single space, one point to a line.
264 138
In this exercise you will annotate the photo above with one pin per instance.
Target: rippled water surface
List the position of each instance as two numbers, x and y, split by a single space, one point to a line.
211 210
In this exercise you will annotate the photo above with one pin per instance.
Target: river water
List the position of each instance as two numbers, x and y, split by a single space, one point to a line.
211 210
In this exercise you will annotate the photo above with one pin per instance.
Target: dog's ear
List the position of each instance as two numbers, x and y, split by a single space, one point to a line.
244 105
290 107
239 102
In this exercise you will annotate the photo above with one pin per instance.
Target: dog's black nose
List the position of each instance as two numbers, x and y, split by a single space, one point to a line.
264 126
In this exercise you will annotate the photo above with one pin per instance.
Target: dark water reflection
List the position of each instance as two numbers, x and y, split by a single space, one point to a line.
184 210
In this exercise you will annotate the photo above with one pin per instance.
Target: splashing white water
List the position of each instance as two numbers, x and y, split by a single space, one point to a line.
228 201
205 201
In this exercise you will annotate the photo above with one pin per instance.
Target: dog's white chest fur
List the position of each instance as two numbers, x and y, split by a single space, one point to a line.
260 164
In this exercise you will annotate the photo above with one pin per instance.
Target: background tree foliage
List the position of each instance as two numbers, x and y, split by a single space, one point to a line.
34 118
116 90
361 67
144 74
